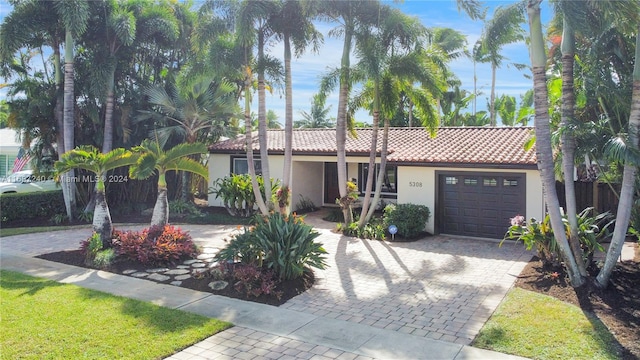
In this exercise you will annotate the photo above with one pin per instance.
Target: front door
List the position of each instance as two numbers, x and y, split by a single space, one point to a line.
331 189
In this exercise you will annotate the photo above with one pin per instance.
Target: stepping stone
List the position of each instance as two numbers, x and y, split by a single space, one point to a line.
189 262
182 266
213 264
182 277
176 283
140 274
128 272
177 272
218 285
206 256
198 265
158 277
157 270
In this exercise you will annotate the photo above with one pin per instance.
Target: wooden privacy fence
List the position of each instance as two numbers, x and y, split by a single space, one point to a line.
592 194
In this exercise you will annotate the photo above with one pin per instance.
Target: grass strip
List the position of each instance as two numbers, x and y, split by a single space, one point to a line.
538 326
43 319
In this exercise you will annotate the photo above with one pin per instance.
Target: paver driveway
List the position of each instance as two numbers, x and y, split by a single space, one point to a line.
439 287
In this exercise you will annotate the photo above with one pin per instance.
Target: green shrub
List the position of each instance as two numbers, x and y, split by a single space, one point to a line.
539 235
183 207
284 244
104 258
375 230
58 219
90 248
410 219
156 245
305 205
237 195
44 204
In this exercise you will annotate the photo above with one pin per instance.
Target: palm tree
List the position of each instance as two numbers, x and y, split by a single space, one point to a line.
380 54
250 24
89 158
544 151
74 15
502 30
350 15
628 178
153 159
292 23
317 117
199 112
119 28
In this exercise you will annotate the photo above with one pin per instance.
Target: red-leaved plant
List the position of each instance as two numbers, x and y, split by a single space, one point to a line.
157 245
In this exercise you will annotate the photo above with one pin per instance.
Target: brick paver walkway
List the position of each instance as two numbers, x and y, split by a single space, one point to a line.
243 343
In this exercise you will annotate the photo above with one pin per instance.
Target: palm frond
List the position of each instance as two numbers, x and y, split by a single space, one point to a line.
189 165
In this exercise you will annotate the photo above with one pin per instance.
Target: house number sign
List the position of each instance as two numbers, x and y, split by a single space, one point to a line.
415 184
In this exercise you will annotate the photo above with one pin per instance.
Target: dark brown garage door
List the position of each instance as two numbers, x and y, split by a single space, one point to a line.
479 204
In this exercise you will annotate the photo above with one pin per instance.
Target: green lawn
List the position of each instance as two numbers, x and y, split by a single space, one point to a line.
43 319
541 327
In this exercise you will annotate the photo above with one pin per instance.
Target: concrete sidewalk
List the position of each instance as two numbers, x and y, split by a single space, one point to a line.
261 331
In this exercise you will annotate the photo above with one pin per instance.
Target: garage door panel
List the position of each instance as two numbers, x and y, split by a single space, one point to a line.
480 204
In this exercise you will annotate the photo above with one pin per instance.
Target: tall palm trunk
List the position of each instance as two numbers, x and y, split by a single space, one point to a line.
262 126
160 215
341 125
543 140
383 167
366 202
628 178
107 142
69 121
492 101
249 145
101 215
288 122
568 142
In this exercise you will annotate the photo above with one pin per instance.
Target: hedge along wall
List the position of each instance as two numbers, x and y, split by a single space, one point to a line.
45 204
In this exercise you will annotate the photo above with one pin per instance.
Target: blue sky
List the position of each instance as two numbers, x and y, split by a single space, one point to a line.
309 68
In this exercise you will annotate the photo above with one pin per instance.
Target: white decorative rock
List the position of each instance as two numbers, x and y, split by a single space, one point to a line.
128 272
157 270
177 272
182 277
189 262
176 283
218 285
198 265
158 277
140 274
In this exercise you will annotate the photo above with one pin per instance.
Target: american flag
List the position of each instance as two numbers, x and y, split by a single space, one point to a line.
21 160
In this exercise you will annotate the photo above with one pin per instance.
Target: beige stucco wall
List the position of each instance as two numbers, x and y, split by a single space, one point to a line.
417 185
308 181
219 167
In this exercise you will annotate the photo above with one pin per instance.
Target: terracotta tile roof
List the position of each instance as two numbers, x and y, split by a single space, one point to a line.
452 145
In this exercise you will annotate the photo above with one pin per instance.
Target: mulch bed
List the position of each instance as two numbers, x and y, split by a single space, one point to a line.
617 306
287 288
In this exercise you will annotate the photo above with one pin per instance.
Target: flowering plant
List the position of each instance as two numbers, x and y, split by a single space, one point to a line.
282 195
518 220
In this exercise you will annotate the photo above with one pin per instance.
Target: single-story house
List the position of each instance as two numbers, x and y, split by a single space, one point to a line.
473 179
